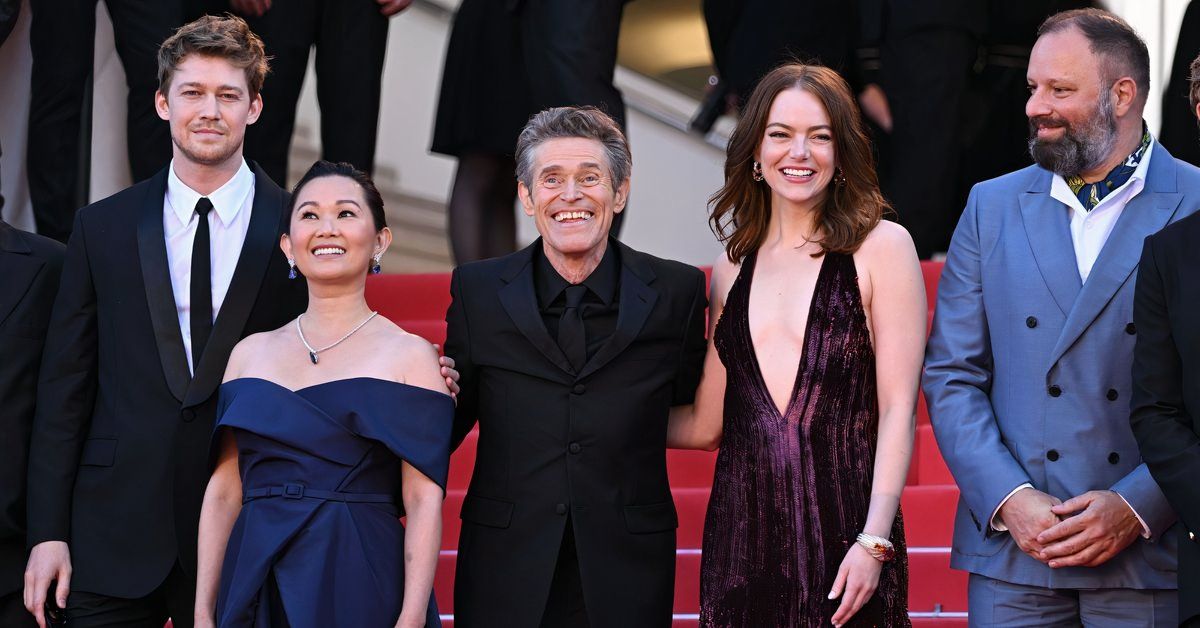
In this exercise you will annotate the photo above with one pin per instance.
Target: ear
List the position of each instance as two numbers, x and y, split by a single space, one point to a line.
256 106
1197 111
383 240
161 106
526 197
1125 92
621 196
285 245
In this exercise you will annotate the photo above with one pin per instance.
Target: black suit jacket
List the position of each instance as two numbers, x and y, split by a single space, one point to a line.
119 454
29 269
553 442
1165 405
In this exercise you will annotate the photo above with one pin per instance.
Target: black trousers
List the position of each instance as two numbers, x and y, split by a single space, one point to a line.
565 606
174 599
925 77
351 38
13 613
62 37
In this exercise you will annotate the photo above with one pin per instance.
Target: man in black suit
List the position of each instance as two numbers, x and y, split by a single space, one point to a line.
572 351
1165 406
160 282
31 266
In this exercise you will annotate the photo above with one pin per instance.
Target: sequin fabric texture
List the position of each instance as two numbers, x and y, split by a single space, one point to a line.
791 491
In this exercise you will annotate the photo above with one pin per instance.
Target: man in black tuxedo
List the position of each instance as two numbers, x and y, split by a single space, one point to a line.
31 266
572 351
1165 406
160 281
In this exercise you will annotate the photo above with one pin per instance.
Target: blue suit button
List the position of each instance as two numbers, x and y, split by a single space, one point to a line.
579 389
189 415
560 509
1054 390
1052 455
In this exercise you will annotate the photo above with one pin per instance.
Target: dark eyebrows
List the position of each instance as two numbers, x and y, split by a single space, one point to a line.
223 88
341 202
786 127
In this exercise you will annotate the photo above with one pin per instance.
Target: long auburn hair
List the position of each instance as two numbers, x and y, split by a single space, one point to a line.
741 209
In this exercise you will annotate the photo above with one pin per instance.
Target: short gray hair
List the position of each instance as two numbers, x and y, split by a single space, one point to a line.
567 122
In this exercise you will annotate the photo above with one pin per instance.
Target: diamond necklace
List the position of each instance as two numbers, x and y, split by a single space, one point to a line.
312 353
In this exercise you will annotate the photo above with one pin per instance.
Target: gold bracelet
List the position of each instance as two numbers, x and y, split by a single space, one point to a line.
878 547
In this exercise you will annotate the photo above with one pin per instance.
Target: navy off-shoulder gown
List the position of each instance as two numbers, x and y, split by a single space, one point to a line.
318 541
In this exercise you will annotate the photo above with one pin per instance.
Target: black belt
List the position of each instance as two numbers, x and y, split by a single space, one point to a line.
299 491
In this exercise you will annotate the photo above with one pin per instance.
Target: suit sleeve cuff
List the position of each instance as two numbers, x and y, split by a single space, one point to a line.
995 522
1145 528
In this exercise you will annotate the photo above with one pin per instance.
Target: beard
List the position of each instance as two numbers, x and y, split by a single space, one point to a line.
1080 148
206 155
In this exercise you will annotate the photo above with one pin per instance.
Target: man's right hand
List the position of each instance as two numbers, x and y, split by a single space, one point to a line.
48 561
1027 514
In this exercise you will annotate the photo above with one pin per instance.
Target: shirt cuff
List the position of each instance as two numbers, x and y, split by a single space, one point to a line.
995 521
1145 528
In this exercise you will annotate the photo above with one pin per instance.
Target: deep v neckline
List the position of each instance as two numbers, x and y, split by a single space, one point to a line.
758 372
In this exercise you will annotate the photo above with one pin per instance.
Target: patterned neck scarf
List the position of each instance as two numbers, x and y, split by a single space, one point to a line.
1090 194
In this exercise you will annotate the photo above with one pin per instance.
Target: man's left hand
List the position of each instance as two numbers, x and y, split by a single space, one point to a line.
447 369
391 7
1098 525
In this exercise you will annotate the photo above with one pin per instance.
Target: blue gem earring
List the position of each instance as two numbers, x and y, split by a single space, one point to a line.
375 267
291 268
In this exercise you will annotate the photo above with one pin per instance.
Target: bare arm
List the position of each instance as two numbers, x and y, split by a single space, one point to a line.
222 503
699 425
423 536
898 328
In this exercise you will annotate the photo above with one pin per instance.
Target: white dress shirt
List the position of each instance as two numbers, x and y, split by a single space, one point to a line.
227 224
1089 232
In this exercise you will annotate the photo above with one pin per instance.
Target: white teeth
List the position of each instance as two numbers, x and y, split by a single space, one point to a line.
797 172
329 250
561 216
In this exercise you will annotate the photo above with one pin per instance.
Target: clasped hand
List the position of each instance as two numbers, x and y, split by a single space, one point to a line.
1084 531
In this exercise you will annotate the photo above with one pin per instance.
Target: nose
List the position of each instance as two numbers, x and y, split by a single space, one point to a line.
798 148
1037 105
209 109
327 226
571 190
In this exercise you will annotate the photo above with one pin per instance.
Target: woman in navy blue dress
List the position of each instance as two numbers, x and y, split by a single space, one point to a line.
330 429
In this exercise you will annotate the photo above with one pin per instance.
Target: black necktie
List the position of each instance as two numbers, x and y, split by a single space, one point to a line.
571 337
201 313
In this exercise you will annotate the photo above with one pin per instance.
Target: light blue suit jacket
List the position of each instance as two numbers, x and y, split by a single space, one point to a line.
1013 326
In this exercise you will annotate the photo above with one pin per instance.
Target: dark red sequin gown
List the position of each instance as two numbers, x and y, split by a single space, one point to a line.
791 492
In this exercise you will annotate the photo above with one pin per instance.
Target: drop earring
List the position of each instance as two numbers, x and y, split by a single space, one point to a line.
839 177
756 171
375 267
291 268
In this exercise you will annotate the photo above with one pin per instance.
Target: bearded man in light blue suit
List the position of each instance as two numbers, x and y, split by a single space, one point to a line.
1027 373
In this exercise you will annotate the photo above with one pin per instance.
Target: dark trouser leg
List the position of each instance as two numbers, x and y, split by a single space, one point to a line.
351 42
62 36
13 613
565 606
174 599
288 31
570 51
481 219
139 27
925 79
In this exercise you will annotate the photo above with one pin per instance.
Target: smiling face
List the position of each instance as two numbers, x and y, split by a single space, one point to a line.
332 235
573 199
1072 122
797 150
208 104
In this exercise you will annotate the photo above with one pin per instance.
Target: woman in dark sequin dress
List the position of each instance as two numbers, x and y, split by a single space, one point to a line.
810 382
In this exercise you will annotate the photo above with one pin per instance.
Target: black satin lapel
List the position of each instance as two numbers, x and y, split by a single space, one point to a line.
156 277
19 273
519 301
1047 226
262 241
637 301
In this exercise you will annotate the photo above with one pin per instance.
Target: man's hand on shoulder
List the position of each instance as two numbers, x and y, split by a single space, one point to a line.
48 561
1098 525
1027 514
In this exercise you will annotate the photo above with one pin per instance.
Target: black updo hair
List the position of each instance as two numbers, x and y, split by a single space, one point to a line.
324 168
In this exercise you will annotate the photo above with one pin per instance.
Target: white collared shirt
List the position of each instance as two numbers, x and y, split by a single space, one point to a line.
227 224
1090 230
